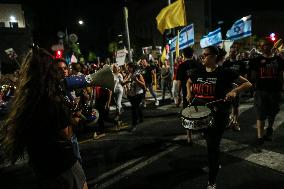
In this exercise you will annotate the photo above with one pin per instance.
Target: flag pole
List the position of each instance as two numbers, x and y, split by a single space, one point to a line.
125 12
185 17
171 57
184 11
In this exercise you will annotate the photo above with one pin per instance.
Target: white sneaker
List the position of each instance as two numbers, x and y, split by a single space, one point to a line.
213 186
133 129
156 103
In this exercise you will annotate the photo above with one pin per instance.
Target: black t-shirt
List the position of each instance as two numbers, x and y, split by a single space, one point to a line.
211 86
147 74
50 158
185 69
50 153
268 73
238 66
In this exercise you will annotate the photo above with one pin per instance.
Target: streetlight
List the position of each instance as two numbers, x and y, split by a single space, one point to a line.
13 18
81 22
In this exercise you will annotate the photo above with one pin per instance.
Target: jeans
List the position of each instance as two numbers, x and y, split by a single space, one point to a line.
150 87
175 89
118 98
166 84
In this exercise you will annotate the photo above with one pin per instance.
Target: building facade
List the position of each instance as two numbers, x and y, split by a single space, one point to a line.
12 16
13 35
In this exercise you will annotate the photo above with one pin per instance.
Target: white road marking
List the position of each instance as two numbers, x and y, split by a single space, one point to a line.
137 167
266 158
115 170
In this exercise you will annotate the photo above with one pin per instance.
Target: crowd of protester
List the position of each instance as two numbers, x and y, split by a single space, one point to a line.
88 107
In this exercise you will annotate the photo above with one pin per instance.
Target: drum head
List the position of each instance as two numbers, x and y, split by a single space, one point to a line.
92 118
195 112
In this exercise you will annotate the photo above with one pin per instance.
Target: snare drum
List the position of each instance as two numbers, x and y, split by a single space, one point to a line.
196 117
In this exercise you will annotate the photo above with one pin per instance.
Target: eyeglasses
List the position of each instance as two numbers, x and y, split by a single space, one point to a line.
206 54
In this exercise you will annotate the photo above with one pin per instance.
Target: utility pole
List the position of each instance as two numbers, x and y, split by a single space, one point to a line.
171 55
125 12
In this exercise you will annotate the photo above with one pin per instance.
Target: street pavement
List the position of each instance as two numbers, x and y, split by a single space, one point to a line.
157 155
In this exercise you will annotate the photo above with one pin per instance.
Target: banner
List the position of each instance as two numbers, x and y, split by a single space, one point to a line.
240 29
186 38
213 38
11 53
120 57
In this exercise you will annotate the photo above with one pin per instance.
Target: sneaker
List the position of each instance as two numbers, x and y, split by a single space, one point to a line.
175 100
235 126
178 102
156 103
97 136
230 123
211 186
205 169
144 105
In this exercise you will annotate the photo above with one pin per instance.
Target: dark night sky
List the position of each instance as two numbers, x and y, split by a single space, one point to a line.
46 17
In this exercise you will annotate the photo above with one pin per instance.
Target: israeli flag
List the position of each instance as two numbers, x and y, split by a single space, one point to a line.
186 38
213 38
240 29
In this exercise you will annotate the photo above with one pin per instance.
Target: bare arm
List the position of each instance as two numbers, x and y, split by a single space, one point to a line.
126 79
109 98
140 81
243 84
188 89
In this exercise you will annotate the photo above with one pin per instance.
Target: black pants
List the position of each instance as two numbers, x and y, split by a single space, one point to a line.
184 94
213 136
103 113
136 109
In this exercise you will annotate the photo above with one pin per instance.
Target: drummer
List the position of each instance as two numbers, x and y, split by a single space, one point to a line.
208 84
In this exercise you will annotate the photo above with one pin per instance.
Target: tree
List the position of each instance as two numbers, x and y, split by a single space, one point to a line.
92 56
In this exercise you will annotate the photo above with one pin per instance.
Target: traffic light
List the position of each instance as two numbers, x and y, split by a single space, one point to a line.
272 37
58 54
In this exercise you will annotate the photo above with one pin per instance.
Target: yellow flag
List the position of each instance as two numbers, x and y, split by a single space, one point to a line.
171 16
164 55
177 46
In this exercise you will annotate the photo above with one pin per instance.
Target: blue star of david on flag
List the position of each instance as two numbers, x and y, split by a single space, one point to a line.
213 38
240 29
186 38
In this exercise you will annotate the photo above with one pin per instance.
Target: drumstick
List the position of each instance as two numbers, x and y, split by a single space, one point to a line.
191 102
213 102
